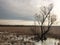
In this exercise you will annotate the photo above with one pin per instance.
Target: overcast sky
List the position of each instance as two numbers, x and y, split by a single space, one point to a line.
23 10
16 9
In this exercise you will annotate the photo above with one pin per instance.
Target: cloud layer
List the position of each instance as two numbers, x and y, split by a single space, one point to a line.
19 9
24 9
16 9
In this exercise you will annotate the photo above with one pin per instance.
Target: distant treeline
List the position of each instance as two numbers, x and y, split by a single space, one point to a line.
22 26
17 25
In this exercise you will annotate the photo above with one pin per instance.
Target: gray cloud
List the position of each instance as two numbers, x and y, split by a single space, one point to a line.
16 9
10 15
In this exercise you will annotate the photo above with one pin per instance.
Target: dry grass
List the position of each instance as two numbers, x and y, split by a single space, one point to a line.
54 30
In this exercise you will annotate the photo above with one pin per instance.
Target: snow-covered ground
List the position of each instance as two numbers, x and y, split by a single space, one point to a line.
49 41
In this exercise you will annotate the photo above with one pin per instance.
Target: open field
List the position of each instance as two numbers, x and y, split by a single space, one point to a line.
26 30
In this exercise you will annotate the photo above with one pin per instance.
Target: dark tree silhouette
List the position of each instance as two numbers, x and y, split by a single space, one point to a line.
44 17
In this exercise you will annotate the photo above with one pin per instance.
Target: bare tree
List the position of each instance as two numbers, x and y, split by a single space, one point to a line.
44 17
